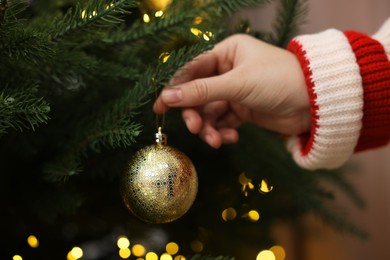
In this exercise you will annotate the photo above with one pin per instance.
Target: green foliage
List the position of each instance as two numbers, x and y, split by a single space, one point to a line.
290 16
22 109
83 75
91 14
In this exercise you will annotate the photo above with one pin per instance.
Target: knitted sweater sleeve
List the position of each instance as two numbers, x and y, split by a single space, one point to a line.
348 80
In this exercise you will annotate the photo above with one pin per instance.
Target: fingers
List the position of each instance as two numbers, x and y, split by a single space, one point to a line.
207 121
198 81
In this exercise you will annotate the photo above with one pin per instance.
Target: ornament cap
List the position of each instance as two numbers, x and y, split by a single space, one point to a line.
161 138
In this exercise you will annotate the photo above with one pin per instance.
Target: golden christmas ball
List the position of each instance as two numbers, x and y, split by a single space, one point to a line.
156 4
160 184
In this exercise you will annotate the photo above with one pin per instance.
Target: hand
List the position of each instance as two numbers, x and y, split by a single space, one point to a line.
242 80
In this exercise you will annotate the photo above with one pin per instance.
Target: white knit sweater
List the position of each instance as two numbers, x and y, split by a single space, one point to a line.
348 81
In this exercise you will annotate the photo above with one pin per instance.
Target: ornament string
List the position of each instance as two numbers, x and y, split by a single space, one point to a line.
159 126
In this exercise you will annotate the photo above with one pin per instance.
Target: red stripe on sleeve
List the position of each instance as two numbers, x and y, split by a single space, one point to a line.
375 71
307 139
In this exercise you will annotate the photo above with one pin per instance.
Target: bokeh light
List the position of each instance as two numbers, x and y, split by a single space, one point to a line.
33 241
207 36
198 20
17 257
197 246
164 56
253 215
266 255
229 214
172 248
146 18
151 256
138 250
75 253
124 253
166 256
196 31
159 13
123 242
179 257
246 184
264 187
279 252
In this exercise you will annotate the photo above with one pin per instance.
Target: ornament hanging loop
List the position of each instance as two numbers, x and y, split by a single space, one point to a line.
161 138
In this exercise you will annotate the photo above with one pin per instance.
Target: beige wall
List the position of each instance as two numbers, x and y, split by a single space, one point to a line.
373 177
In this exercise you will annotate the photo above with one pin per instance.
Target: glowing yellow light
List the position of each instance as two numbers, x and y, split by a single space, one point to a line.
172 248
94 13
76 252
279 252
246 183
164 56
33 241
207 36
243 179
146 18
179 257
83 14
124 253
196 32
138 250
265 187
69 256
229 214
17 257
197 246
159 13
253 215
123 242
158 4
198 20
166 256
151 256
266 255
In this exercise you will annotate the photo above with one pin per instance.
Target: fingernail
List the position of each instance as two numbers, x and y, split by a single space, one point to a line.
208 139
187 120
171 95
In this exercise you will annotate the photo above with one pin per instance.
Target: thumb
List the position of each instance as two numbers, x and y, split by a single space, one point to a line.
200 91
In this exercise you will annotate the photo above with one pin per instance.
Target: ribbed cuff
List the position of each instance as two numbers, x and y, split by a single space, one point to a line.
375 72
336 96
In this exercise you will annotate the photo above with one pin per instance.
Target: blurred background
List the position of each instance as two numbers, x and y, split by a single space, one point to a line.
372 178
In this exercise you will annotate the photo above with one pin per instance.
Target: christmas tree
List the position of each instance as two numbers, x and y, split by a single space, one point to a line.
77 84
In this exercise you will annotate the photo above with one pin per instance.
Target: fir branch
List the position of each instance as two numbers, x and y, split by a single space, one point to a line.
140 30
213 8
22 109
96 13
290 15
122 134
339 179
339 222
22 47
62 169
3 8
113 126
10 10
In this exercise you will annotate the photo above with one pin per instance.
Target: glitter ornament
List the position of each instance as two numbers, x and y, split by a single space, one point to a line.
160 183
